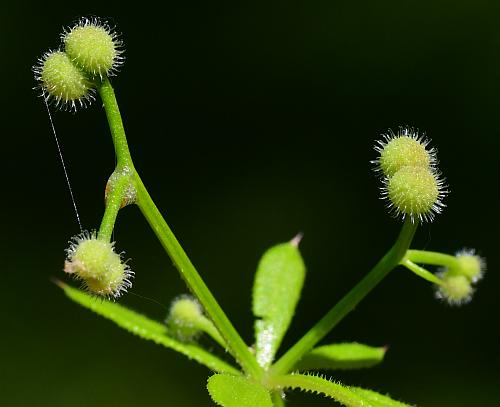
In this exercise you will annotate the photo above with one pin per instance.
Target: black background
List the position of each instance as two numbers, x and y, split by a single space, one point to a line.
250 122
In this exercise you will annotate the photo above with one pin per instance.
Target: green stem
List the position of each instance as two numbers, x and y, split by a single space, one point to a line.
349 302
421 272
433 258
209 328
118 189
115 123
235 344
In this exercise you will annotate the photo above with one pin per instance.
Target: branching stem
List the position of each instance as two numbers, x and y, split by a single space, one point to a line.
235 344
114 201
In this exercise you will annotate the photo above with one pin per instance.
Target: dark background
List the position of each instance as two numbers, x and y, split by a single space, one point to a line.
250 122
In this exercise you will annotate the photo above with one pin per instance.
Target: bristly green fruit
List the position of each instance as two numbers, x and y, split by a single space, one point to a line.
412 184
61 81
458 280
406 148
455 289
95 263
183 318
94 47
471 265
416 192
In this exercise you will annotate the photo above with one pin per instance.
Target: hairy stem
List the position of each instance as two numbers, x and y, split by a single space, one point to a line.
349 302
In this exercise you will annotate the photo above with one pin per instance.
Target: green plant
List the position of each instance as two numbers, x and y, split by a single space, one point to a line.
411 185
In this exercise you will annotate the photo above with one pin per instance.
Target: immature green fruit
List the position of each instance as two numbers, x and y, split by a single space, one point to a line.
416 192
406 148
94 47
455 289
95 262
185 318
470 265
63 81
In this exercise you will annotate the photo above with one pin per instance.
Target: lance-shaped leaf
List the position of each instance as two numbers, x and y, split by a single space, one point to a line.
311 383
145 328
341 356
276 291
347 396
377 399
237 391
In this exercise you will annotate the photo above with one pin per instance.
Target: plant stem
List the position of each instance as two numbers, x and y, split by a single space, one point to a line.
115 123
433 258
235 344
207 326
349 302
114 200
421 272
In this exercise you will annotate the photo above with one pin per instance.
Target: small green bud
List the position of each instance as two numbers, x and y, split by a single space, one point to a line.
406 148
184 318
470 265
416 192
94 47
455 289
61 80
95 263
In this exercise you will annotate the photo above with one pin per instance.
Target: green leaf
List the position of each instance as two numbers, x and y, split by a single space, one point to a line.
237 391
348 396
341 356
277 286
377 399
145 328
320 385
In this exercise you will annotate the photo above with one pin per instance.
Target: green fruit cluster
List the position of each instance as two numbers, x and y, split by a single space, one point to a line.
90 51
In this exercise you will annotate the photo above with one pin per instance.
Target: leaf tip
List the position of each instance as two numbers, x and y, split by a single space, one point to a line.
58 282
297 239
